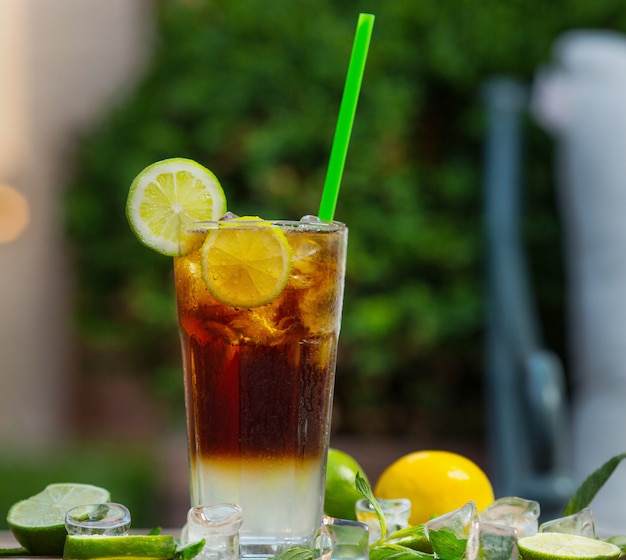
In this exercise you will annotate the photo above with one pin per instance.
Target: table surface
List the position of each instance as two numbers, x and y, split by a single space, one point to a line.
7 541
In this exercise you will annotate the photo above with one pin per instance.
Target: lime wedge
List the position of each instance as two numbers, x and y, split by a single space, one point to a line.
246 262
562 546
38 523
82 547
167 195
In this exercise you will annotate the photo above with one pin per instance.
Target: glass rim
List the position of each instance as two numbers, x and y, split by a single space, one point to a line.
296 225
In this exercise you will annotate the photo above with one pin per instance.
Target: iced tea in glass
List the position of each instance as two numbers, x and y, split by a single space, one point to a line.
259 387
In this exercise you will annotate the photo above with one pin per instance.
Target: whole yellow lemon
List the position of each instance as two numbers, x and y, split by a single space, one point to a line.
436 482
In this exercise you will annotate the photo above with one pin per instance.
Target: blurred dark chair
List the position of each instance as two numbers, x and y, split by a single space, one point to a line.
527 410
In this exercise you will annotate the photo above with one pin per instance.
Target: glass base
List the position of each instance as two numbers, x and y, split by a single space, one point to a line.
268 548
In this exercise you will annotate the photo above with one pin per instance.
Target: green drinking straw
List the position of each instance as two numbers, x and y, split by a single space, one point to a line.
346 117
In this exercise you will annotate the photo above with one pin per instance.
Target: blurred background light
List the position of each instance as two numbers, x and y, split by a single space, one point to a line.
14 213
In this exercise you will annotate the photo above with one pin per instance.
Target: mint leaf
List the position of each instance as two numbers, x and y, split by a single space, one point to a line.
413 536
591 485
397 552
363 488
189 551
446 544
295 553
98 513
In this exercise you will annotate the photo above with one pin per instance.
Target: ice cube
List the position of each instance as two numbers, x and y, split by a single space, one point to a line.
497 542
455 535
108 519
581 523
396 512
521 514
305 249
219 526
340 539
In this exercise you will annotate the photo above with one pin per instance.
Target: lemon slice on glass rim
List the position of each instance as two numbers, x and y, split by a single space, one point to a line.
246 262
166 196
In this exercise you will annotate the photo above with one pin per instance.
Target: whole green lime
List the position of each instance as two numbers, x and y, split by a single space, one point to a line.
341 494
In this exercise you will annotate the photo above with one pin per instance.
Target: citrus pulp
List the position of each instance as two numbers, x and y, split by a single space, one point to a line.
561 546
38 523
246 262
168 195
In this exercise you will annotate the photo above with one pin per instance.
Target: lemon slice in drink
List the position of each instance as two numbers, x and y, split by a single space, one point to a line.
157 547
169 194
38 523
246 262
562 546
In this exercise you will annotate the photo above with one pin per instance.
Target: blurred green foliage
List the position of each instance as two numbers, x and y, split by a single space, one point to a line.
252 91
131 481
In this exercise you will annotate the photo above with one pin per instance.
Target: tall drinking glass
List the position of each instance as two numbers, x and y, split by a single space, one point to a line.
259 387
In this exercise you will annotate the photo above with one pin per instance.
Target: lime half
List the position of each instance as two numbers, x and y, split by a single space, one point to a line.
246 262
166 196
38 523
158 547
562 546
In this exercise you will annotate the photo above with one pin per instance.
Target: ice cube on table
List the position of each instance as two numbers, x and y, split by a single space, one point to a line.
497 542
455 535
109 519
219 526
521 514
396 512
581 523
341 539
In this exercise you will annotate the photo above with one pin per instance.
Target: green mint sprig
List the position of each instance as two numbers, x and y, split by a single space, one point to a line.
411 543
391 551
587 491
447 545
363 488
183 551
189 551
98 513
413 537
